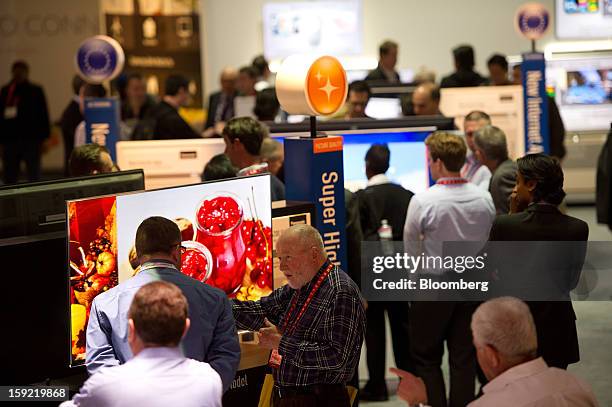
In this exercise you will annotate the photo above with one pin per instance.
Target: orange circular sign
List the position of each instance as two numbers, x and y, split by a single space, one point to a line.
326 85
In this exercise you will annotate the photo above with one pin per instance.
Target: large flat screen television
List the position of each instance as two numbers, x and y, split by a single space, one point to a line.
225 228
33 249
408 165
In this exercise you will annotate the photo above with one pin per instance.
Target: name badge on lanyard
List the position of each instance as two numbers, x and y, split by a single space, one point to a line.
10 112
275 359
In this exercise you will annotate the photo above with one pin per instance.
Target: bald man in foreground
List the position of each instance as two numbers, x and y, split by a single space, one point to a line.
221 103
314 325
506 344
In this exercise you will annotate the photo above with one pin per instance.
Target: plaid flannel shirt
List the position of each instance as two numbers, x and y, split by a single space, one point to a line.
325 346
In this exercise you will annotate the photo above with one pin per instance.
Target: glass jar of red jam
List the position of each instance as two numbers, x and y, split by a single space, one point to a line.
196 260
218 223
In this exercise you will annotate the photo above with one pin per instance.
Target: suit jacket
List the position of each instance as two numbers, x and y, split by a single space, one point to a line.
169 124
555 320
501 186
379 75
387 201
32 121
557 130
213 105
461 79
354 236
71 117
604 183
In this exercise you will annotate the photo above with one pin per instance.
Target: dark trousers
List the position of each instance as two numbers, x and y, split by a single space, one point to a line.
432 323
375 339
19 150
321 396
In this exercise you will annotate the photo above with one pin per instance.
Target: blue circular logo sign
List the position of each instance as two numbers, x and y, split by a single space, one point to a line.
532 20
99 59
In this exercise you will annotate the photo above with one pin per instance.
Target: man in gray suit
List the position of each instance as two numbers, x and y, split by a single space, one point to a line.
492 151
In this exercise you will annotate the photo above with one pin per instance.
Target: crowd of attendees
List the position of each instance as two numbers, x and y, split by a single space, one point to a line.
480 194
147 116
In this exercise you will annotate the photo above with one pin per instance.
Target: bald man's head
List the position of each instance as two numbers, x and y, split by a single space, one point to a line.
426 100
228 79
301 253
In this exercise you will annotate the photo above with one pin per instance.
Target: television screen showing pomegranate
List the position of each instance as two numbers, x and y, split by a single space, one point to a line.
225 231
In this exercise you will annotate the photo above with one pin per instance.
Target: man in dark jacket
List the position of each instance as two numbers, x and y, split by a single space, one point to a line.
71 117
388 201
464 75
604 182
24 124
164 118
385 71
221 103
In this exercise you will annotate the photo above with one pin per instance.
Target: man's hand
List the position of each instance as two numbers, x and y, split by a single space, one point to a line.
411 388
269 337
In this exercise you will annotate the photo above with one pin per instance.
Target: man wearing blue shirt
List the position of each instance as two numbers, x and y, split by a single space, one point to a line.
212 334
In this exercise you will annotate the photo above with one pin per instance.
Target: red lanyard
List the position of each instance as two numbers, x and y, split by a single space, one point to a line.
452 181
9 97
288 329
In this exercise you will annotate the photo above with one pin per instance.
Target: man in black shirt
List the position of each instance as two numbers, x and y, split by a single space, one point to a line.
464 75
71 117
168 123
389 201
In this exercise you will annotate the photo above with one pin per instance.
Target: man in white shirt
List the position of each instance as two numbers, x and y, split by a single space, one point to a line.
473 170
506 344
159 374
451 210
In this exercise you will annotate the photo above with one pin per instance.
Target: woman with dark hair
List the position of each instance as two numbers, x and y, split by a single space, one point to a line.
535 219
539 180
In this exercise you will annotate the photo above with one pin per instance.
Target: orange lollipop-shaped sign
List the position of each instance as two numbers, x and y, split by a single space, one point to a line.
326 85
311 86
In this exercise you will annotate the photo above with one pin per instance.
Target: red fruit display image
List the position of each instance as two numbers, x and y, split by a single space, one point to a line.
258 279
196 261
218 223
92 254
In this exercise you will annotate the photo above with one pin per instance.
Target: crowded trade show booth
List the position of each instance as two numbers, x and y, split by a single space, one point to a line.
73 239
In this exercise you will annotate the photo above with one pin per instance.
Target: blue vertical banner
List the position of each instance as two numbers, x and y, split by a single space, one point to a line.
535 102
314 172
102 123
